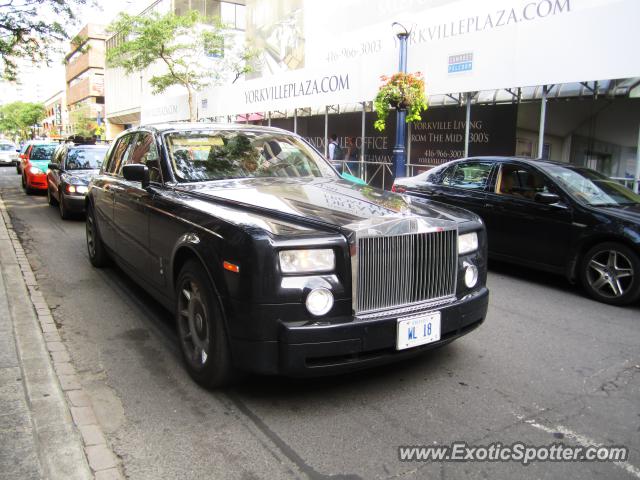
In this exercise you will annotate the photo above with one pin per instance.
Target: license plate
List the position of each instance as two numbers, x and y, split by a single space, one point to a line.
418 330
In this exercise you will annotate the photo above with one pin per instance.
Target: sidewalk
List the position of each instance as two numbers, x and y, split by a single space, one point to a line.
47 425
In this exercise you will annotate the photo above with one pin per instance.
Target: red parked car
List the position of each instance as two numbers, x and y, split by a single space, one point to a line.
33 165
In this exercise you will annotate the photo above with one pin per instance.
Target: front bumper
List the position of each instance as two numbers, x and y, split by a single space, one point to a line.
321 349
36 182
73 203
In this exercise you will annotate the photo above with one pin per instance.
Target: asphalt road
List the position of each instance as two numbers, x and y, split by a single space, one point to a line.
548 365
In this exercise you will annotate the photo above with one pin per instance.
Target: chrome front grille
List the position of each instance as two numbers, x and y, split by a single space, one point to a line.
397 271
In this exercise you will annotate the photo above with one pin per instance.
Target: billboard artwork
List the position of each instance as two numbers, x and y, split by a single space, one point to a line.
458 45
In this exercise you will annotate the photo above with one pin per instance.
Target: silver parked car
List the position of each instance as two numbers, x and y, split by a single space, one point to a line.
8 153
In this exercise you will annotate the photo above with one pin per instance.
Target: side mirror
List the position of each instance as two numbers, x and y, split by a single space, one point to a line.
53 166
546 198
17 150
136 173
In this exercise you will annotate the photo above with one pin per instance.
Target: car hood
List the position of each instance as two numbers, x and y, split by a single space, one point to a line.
629 213
81 176
337 203
41 164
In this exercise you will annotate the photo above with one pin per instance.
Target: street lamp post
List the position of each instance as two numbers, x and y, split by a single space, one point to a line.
399 152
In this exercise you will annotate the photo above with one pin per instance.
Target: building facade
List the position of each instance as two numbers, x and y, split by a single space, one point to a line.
84 75
56 123
497 63
128 97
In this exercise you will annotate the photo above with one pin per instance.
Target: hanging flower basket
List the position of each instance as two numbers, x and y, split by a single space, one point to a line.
401 91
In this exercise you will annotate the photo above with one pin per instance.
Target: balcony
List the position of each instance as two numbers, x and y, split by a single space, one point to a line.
88 87
93 58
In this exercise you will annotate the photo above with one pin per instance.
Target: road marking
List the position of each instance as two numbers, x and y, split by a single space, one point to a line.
585 442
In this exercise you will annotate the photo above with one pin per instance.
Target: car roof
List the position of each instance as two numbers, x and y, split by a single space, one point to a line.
83 146
526 160
187 126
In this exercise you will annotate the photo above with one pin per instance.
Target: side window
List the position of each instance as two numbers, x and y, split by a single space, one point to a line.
144 151
438 177
521 182
472 175
119 152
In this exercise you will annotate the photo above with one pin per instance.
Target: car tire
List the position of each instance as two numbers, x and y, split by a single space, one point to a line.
25 186
98 255
201 329
18 169
50 198
610 273
64 212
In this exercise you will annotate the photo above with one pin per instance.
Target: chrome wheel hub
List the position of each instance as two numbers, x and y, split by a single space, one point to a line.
610 273
193 325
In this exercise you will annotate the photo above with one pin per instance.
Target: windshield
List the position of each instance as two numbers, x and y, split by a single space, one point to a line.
85 159
214 155
5 147
591 187
42 152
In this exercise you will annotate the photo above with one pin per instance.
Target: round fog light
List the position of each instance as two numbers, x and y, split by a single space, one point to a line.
470 275
319 301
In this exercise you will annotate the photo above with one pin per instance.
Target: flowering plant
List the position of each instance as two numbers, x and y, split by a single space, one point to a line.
404 91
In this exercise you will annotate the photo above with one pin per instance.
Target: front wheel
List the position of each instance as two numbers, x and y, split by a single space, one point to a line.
201 330
50 197
610 273
98 255
64 213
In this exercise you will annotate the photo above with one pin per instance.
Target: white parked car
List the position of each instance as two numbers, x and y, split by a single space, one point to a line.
8 153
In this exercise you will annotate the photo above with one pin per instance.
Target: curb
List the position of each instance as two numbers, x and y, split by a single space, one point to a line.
99 460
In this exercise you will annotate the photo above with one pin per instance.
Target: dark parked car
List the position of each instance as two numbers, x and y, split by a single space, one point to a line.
547 215
69 173
274 264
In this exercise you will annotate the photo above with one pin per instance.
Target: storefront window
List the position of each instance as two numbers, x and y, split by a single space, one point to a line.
180 7
228 14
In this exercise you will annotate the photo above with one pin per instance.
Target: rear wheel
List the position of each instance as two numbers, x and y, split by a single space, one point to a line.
610 273
203 337
98 255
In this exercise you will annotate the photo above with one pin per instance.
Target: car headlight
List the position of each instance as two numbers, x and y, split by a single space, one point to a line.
471 275
319 301
307 261
35 170
82 189
467 243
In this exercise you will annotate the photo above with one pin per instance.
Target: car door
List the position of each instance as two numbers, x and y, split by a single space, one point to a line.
104 188
521 228
131 205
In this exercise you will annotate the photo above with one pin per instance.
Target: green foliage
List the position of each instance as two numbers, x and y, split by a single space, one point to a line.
17 118
80 44
179 43
24 33
401 91
83 124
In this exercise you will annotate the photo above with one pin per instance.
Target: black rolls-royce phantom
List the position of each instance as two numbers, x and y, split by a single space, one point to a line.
275 264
